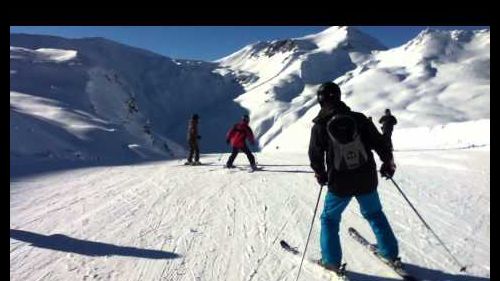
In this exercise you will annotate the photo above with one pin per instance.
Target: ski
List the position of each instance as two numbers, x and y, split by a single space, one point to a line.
250 169
233 169
333 275
194 164
396 267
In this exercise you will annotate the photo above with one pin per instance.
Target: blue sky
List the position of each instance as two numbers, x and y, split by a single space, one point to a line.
213 42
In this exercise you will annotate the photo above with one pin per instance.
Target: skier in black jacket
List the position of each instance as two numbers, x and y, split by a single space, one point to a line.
347 139
388 121
192 139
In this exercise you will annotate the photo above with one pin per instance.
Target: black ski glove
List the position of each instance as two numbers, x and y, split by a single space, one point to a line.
321 178
388 169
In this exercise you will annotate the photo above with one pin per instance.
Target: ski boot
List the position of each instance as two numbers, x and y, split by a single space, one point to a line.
338 270
394 263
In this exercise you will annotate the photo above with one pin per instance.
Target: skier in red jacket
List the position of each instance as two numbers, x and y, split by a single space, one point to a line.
236 137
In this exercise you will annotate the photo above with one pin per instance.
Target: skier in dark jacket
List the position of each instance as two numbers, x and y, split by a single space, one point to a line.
388 121
348 173
236 136
192 139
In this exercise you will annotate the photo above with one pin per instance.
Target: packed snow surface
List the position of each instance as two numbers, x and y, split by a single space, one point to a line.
167 221
98 128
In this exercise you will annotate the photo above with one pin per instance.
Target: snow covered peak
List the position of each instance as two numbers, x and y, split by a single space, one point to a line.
267 49
319 57
437 78
42 54
433 43
345 36
333 38
96 50
287 45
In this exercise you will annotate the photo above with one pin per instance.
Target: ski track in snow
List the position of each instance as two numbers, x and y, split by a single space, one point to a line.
225 224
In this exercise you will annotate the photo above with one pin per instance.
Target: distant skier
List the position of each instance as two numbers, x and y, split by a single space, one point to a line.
192 138
388 121
236 136
347 138
132 107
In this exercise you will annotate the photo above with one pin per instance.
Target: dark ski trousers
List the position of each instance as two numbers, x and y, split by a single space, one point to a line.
371 209
235 152
388 136
193 150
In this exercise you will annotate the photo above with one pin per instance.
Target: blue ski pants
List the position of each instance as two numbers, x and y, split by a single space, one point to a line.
371 209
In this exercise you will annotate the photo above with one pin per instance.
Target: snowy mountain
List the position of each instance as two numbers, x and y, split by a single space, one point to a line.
437 78
97 99
112 109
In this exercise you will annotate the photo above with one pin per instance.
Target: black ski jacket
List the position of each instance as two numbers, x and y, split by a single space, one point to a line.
388 122
354 182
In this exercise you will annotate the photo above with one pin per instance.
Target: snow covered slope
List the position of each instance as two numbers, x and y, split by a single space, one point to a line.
437 78
167 221
95 99
99 103
280 77
135 104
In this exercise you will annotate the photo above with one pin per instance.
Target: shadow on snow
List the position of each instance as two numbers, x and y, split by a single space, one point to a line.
421 273
60 242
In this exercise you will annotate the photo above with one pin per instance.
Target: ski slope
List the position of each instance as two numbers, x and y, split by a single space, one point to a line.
97 190
166 221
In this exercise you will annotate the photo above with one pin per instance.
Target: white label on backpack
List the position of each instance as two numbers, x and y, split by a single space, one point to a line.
349 151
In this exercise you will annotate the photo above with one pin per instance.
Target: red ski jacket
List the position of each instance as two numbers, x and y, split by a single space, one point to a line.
238 133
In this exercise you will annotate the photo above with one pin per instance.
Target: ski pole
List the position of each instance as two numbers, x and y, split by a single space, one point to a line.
310 230
220 157
462 267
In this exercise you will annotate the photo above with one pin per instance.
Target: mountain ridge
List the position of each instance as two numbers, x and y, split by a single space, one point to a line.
150 97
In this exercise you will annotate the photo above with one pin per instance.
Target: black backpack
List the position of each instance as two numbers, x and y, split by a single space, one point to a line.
349 151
